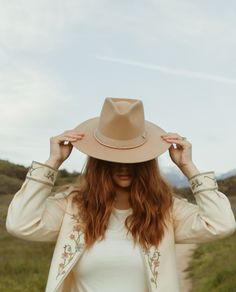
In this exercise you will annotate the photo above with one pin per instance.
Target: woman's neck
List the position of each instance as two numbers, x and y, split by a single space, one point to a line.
122 198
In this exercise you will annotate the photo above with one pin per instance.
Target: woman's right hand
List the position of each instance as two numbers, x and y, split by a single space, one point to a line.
59 151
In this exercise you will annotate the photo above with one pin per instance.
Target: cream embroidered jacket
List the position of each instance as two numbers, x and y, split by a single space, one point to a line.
35 214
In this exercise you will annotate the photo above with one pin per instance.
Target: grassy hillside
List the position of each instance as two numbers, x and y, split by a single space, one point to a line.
24 265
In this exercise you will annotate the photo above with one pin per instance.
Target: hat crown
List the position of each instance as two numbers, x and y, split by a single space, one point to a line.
121 134
121 123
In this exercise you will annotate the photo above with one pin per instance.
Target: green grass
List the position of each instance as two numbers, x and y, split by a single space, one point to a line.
213 267
24 264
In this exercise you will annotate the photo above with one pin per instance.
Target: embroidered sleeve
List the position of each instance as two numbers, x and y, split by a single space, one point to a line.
211 218
34 214
203 182
42 173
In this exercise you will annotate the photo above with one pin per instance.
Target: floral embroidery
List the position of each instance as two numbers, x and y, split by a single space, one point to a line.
50 175
195 183
154 262
69 251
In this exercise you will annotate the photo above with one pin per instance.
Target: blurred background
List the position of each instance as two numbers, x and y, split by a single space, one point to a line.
60 59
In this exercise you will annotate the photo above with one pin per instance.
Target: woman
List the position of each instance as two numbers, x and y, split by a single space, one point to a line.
116 229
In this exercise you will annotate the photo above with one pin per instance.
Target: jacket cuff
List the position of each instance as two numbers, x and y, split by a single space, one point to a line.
204 181
42 173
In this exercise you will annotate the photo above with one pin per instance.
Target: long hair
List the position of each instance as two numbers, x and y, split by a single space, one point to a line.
150 199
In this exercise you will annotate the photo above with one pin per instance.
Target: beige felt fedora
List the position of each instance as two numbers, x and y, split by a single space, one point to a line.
121 133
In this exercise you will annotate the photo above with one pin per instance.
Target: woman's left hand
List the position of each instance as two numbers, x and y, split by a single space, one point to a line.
182 155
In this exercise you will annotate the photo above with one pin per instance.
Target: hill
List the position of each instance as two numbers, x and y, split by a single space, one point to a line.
13 175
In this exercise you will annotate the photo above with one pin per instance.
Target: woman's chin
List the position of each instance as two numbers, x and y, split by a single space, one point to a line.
123 184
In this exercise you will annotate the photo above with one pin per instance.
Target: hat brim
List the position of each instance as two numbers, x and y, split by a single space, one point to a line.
152 148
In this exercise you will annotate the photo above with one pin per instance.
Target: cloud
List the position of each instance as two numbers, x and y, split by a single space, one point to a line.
36 25
34 106
195 20
168 70
47 66
27 94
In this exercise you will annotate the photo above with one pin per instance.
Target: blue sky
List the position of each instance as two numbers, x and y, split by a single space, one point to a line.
60 59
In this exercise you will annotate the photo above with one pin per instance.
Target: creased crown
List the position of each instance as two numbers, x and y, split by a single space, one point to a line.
121 123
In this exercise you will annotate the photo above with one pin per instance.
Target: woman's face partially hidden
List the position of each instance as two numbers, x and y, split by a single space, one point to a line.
122 174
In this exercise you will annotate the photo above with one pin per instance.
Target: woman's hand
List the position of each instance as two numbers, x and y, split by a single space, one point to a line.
182 154
60 151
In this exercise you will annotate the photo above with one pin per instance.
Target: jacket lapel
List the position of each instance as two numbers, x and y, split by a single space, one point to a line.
152 261
71 249
74 246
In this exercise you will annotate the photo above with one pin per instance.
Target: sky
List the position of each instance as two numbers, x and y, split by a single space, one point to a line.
59 60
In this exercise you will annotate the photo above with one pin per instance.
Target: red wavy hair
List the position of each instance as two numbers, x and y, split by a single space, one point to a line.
150 199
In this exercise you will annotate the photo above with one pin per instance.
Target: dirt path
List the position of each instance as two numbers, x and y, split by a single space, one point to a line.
183 256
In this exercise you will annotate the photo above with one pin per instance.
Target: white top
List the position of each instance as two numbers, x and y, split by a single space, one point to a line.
113 264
